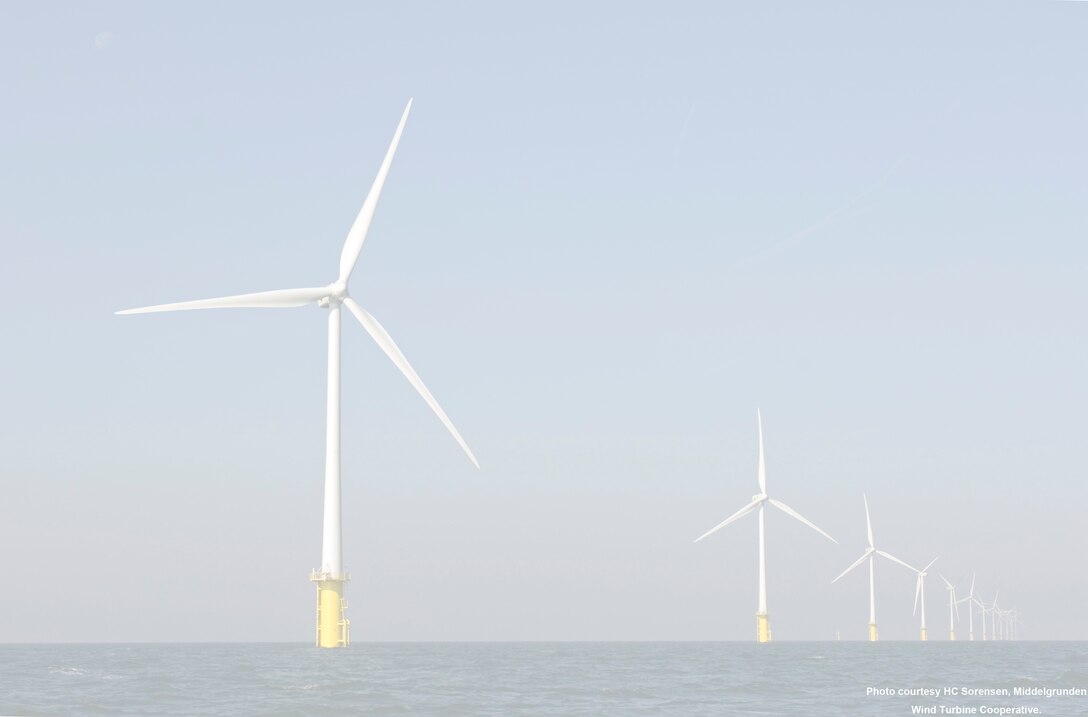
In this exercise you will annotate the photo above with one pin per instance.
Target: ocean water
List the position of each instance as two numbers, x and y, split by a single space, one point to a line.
513 679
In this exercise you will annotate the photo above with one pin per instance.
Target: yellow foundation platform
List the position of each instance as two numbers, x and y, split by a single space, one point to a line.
925 635
872 632
333 628
763 628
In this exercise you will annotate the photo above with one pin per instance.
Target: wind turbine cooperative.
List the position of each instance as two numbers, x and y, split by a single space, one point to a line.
333 627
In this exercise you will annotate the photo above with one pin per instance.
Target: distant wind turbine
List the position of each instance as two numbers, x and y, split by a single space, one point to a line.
983 610
1014 622
971 600
333 628
763 626
920 592
953 608
870 553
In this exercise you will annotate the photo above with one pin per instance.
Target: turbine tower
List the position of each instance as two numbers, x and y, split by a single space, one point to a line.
870 553
953 607
920 591
763 625
333 628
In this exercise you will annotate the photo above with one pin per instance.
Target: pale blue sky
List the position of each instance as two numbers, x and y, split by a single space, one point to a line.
609 235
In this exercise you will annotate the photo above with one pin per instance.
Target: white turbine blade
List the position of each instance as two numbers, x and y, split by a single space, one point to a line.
279 299
930 564
762 465
858 562
917 592
892 557
972 584
385 341
740 513
868 523
790 511
349 255
948 585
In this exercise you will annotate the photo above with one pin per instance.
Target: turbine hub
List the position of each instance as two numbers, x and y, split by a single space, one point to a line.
338 290
759 498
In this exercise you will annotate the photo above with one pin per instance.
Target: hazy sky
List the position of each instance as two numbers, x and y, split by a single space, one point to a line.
611 232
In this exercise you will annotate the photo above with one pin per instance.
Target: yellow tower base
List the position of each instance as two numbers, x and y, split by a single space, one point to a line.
952 635
872 632
333 629
763 627
925 635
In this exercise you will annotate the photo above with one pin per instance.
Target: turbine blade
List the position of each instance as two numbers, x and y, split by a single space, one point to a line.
762 465
279 299
947 585
868 523
859 561
385 341
892 557
917 592
790 511
972 584
930 564
349 255
740 513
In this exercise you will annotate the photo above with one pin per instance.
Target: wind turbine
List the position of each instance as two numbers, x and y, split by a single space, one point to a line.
953 608
1014 621
920 591
993 618
1006 624
869 554
971 600
763 625
983 609
333 628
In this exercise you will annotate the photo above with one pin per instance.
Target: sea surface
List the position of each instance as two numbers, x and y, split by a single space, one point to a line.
513 679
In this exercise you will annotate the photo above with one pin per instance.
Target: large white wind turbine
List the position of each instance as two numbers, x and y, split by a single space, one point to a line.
763 625
332 626
870 553
920 592
953 608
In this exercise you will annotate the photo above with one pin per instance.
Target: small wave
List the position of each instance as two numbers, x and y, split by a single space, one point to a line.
68 671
